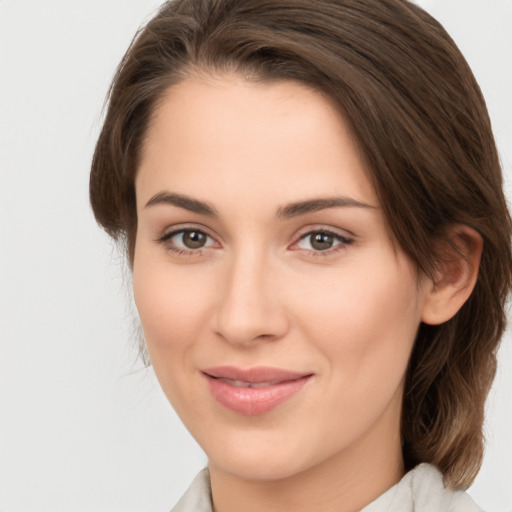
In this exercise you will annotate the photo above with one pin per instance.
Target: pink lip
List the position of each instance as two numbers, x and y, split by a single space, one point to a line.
230 387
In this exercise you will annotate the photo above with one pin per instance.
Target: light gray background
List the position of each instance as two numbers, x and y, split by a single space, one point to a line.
79 430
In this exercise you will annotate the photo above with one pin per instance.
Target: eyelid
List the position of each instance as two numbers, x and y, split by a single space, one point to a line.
345 238
174 230
322 228
177 228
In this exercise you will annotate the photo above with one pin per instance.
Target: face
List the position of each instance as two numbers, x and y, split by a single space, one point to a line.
279 317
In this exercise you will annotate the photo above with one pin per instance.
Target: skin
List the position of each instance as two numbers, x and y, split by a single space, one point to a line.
260 293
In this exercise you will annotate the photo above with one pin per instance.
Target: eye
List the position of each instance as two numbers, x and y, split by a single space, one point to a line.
190 239
322 241
187 240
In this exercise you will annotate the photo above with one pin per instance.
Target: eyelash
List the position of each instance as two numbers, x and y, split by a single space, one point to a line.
343 242
177 250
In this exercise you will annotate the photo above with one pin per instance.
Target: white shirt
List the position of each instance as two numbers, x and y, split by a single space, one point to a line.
420 490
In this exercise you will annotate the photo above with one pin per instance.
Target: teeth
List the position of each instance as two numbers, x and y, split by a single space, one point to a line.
235 383
262 384
243 384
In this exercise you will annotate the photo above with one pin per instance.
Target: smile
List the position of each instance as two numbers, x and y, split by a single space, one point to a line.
254 391
244 384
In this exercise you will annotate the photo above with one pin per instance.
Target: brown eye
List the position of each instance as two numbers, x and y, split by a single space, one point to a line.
193 239
321 241
187 241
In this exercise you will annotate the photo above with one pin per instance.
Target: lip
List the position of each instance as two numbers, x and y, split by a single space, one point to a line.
255 390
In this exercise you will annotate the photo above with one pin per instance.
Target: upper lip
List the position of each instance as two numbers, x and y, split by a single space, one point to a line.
254 375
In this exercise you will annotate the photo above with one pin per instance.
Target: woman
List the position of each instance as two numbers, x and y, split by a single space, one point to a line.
311 201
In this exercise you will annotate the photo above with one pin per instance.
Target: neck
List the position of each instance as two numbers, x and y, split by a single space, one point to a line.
346 482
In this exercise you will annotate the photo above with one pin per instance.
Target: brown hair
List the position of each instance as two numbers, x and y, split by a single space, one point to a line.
422 124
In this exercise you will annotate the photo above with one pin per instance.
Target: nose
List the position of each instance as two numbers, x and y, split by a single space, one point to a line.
250 308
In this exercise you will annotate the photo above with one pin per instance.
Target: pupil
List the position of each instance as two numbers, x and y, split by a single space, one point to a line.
194 239
322 241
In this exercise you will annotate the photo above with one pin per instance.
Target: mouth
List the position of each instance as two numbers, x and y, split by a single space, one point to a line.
253 391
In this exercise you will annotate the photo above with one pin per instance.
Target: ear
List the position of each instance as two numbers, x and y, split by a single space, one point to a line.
455 276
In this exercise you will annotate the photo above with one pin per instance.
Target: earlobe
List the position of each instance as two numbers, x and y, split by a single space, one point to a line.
455 277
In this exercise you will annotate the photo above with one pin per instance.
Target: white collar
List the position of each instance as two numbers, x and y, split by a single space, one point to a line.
420 490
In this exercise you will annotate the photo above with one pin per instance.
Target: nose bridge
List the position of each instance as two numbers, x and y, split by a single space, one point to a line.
249 307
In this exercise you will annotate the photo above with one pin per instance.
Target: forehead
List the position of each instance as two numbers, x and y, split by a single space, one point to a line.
224 134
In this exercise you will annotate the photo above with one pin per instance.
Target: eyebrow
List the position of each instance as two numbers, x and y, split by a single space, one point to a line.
285 212
314 205
187 203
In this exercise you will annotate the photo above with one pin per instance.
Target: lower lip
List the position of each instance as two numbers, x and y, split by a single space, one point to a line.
253 401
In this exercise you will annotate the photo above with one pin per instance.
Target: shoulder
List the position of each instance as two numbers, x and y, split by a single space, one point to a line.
198 496
422 490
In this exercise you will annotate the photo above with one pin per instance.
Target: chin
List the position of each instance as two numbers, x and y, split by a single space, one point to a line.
255 459
258 468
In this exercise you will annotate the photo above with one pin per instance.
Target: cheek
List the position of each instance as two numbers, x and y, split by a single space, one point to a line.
173 314
365 321
365 327
171 307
